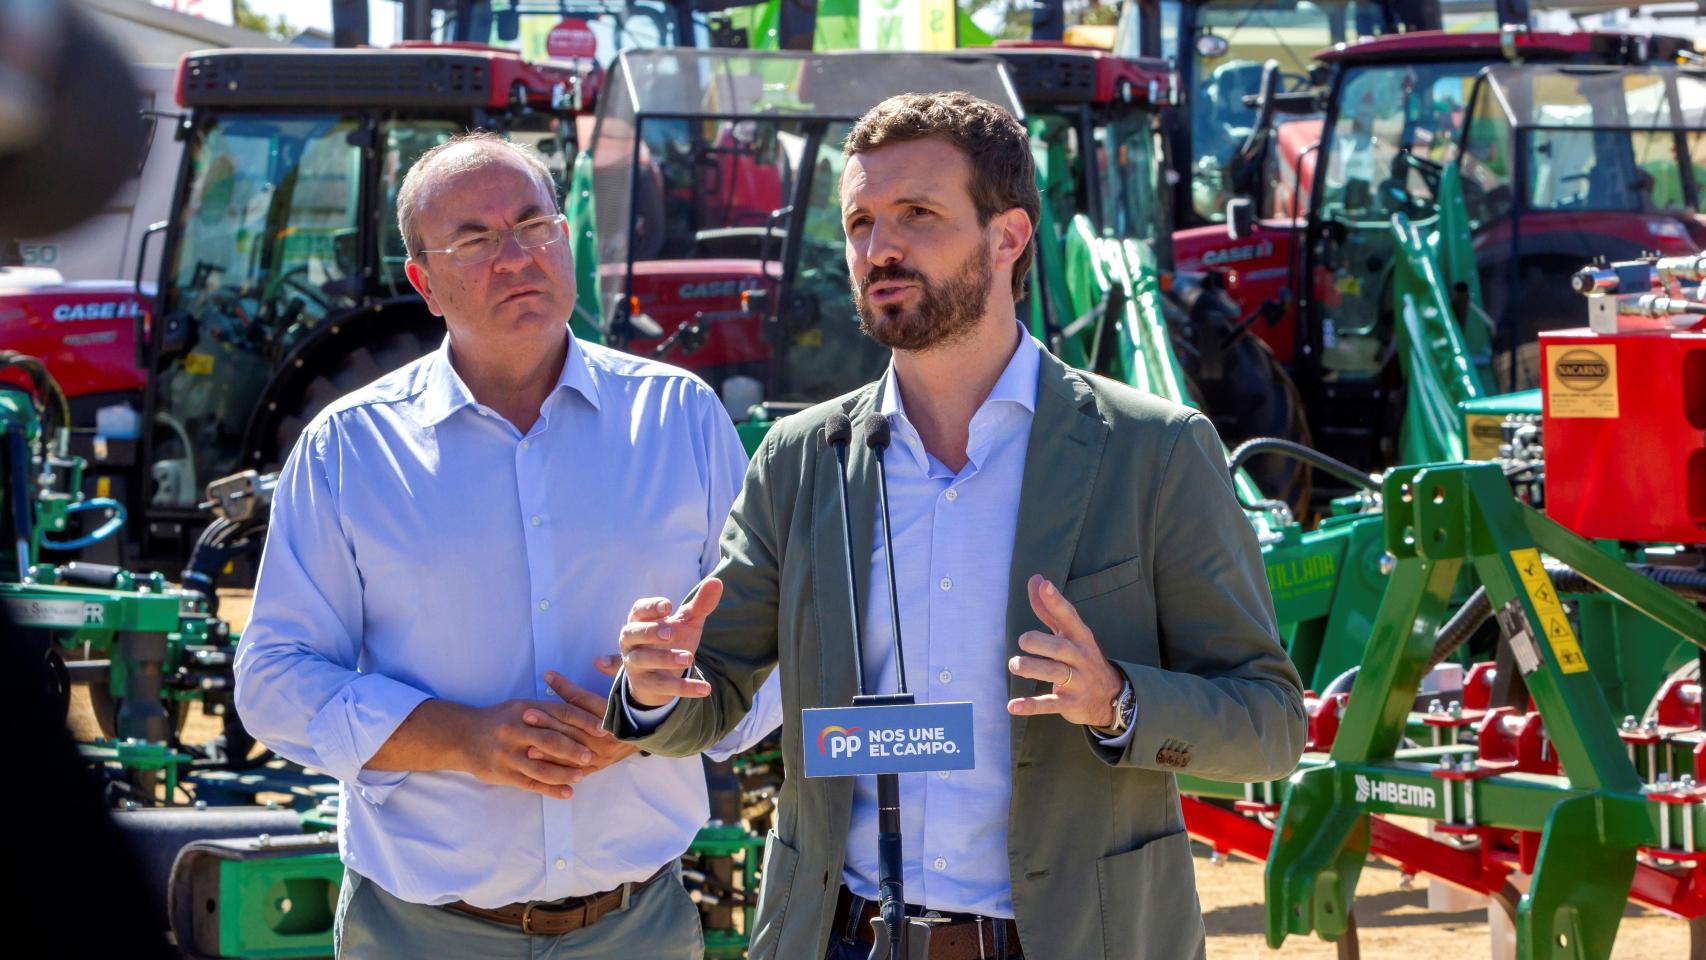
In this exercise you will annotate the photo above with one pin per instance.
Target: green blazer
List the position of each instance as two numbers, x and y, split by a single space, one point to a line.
1126 503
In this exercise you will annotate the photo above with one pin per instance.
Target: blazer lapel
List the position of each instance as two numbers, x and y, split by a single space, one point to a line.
837 677
1061 460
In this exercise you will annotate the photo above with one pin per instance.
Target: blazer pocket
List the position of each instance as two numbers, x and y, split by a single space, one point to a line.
1149 901
775 883
1093 585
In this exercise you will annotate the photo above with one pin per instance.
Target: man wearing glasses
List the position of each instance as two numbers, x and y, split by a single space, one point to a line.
451 549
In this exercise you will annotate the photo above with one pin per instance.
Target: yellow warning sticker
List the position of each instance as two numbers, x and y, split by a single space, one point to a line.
1581 380
198 363
1553 622
1486 432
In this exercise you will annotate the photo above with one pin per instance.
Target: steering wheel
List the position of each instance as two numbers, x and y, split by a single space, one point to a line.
295 280
1405 160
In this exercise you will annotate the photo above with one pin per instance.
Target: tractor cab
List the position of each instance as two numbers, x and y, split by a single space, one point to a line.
1527 154
706 218
281 284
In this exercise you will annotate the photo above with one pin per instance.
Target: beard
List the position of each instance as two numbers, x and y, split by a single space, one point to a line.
947 311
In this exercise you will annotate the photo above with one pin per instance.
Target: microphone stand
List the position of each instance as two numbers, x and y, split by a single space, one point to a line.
891 940
890 863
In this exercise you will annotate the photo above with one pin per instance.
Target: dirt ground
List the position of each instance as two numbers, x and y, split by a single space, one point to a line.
1393 922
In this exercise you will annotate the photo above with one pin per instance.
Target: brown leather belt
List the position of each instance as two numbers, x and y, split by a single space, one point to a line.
553 918
953 937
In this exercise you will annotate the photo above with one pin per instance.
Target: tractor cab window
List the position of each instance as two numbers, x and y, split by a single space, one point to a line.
402 143
1391 136
1125 158
269 245
1384 154
1486 162
1231 41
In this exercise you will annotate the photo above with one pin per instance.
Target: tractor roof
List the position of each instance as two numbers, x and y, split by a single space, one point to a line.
430 76
726 83
1048 72
1597 46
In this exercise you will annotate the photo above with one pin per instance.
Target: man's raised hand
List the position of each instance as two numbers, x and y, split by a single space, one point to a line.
658 646
1085 683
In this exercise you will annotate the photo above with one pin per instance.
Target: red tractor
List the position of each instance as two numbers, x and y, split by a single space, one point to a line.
280 283
1566 147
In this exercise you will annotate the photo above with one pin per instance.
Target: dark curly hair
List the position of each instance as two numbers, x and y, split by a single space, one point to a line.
1003 176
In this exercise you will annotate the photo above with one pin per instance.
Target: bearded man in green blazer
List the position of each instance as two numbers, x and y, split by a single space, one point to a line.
1069 556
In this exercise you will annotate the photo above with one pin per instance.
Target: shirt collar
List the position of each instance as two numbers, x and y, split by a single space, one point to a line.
1016 385
444 392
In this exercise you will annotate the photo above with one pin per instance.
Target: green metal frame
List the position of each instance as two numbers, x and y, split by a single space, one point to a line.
1439 519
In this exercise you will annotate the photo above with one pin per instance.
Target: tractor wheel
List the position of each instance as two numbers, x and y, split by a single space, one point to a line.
355 369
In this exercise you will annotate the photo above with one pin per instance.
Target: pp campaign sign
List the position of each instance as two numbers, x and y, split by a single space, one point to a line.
906 738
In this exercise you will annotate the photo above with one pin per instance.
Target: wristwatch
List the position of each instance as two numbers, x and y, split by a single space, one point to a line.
1125 707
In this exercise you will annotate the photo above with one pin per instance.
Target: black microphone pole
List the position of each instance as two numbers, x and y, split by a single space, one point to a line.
838 432
890 864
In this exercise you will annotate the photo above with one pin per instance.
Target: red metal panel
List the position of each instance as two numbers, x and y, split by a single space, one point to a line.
1607 395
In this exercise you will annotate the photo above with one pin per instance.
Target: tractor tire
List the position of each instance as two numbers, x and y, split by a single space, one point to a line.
349 372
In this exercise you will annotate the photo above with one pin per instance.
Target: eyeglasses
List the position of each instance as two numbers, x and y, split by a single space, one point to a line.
528 234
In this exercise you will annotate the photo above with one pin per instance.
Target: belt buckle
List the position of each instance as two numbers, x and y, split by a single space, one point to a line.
627 894
527 917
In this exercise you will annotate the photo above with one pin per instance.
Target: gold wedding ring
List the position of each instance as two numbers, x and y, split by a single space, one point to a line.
1068 679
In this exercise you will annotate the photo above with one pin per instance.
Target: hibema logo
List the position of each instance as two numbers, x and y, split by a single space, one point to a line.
1403 794
841 741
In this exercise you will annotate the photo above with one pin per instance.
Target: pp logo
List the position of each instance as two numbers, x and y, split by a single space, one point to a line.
838 741
1362 788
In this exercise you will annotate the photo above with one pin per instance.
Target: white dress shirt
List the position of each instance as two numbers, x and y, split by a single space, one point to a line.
422 547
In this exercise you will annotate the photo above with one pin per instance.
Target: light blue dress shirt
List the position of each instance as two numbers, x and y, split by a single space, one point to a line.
953 544
422 547
953 552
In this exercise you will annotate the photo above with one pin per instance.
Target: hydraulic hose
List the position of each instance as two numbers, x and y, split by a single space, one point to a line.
114 521
1289 448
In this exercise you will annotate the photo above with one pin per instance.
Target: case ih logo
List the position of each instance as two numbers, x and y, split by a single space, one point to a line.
838 741
715 288
1249 251
1401 794
1582 370
108 310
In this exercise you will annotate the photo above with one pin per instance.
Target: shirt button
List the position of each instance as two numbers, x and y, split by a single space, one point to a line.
525 444
534 521
940 864
945 676
942 773
946 584
952 495
544 604
561 864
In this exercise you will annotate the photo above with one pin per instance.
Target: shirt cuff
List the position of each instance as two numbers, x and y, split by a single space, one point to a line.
355 723
1119 742
645 719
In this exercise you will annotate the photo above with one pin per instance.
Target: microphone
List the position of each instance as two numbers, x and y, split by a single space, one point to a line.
890 894
875 428
837 433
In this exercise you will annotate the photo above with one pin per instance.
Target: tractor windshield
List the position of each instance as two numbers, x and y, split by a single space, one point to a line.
1230 41
1584 139
287 224
713 178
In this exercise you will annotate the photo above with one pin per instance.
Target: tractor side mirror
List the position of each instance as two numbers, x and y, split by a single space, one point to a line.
1240 217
